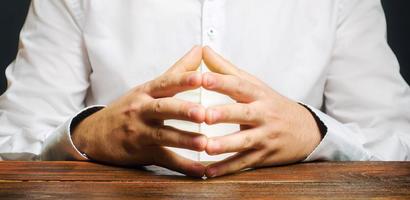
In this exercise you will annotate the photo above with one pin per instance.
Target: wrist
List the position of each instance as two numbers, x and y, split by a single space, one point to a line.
78 134
319 124
314 129
82 128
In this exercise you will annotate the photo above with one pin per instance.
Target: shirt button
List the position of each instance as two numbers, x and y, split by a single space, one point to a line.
211 32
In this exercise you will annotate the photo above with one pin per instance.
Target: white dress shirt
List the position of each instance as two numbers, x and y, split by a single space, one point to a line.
331 55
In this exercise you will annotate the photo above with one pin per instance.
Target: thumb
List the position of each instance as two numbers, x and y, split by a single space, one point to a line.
217 63
189 62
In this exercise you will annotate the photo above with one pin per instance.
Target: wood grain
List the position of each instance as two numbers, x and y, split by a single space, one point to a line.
326 180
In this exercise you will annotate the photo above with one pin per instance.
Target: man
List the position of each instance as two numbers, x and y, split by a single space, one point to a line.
271 83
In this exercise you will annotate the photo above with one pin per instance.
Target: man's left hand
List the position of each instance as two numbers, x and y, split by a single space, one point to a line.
274 129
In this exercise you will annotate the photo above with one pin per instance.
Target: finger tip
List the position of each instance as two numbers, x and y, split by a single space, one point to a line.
197 170
200 118
195 79
206 52
206 48
197 48
195 51
208 118
200 143
195 55
208 122
211 116
208 80
211 172
211 152
197 114
212 147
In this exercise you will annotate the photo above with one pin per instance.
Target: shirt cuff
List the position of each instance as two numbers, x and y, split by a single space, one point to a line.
340 143
59 145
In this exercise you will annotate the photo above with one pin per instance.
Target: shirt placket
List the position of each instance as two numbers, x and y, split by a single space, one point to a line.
213 28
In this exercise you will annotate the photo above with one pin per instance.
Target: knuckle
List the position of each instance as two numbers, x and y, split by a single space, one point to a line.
238 90
179 140
244 163
259 93
157 134
184 109
139 89
146 108
162 83
133 107
241 73
182 81
182 141
128 129
271 115
158 106
273 132
263 160
247 142
249 114
260 145
147 87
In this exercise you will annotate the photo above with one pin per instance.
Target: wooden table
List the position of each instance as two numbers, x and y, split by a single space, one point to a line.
327 180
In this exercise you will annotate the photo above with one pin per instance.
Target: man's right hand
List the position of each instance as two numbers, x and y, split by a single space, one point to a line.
131 130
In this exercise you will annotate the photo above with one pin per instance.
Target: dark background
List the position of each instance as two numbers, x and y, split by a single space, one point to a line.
13 12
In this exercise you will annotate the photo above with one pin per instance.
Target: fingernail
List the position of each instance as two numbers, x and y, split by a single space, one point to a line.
197 170
211 172
200 143
209 81
192 79
199 167
213 146
214 116
192 112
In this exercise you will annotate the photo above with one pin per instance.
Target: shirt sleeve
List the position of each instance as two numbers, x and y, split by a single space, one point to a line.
47 85
367 102
60 146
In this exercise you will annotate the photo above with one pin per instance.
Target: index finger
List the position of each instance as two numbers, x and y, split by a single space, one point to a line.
189 62
237 88
168 85
216 63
